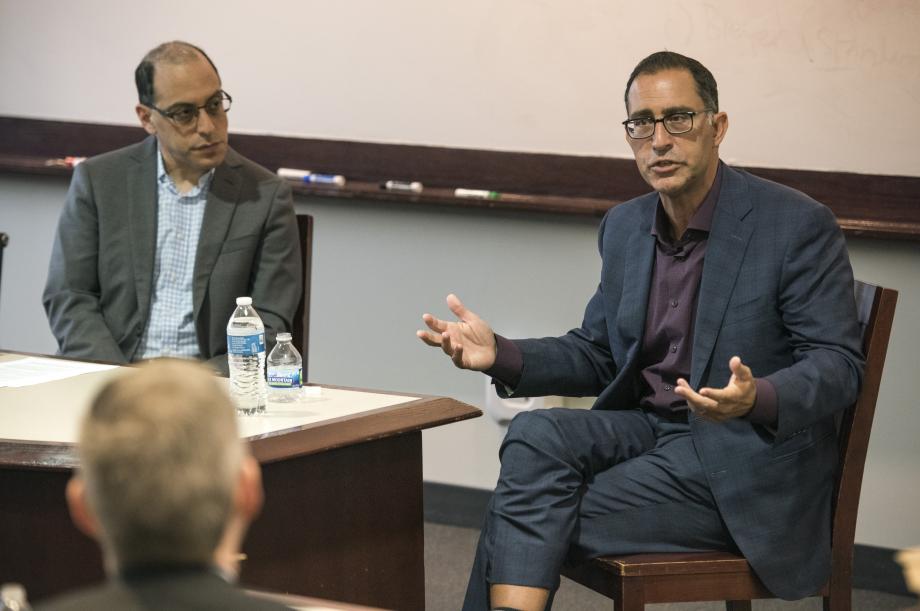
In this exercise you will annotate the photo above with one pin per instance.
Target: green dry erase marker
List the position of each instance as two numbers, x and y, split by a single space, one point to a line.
477 193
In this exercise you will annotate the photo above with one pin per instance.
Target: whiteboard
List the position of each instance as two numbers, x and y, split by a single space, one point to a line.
822 84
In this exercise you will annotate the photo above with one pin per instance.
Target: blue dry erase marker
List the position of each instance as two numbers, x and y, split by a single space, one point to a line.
309 177
477 193
336 180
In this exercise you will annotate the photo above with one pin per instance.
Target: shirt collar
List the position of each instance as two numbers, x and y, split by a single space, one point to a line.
148 571
163 178
701 219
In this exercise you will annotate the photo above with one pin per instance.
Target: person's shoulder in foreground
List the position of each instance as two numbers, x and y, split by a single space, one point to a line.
180 590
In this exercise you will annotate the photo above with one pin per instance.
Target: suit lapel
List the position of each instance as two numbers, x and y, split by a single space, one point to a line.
141 177
218 214
637 278
728 240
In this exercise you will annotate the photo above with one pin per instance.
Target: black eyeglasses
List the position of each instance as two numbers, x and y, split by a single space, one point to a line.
675 122
185 115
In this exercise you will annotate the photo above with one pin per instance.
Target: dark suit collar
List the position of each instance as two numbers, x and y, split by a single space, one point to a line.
144 150
147 579
142 203
732 226
159 571
637 276
733 195
218 215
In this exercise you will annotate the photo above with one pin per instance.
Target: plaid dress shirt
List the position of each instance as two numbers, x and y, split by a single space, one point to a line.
171 325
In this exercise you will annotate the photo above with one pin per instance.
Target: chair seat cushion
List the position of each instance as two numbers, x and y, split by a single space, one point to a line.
673 564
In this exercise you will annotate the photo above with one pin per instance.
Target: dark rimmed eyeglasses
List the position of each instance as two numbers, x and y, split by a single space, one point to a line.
185 115
675 122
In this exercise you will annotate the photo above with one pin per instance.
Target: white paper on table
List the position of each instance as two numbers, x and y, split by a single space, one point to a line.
34 370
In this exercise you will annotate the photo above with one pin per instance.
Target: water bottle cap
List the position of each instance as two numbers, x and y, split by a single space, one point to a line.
244 301
283 337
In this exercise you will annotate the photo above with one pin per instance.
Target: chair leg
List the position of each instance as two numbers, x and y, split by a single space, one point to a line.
737 605
839 599
629 596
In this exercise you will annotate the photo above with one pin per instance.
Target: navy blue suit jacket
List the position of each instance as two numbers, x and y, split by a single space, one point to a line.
776 290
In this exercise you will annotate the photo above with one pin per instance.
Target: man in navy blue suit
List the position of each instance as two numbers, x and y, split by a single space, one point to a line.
721 341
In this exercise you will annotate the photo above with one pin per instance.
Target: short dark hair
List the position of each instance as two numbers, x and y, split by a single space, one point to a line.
668 60
176 52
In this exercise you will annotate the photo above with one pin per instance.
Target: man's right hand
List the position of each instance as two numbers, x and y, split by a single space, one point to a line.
469 342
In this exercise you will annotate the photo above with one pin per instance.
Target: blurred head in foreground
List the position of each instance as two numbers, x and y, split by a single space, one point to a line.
164 478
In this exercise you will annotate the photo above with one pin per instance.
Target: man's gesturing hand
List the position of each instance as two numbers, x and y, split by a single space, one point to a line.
469 342
720 404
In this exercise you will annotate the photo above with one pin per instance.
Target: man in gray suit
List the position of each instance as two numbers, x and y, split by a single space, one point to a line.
168 489
157 240
721 342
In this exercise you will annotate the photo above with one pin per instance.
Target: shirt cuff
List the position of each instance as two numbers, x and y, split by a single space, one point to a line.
764 410
509 363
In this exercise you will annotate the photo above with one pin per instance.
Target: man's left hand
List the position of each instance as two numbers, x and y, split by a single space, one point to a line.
720 404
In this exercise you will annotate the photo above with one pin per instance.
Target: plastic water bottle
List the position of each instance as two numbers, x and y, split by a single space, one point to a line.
13 598
284 371
246 358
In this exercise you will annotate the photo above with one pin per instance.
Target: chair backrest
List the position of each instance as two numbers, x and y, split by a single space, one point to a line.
301 331
875 307
4 240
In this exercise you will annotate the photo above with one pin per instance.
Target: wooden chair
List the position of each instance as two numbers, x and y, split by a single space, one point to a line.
632 581
4 240
300 334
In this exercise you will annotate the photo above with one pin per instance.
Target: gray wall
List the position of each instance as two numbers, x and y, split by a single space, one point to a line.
378 267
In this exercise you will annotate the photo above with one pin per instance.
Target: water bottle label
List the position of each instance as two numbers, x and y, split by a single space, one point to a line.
284 377
246 345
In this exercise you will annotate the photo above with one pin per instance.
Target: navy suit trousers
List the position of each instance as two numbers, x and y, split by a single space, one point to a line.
576 484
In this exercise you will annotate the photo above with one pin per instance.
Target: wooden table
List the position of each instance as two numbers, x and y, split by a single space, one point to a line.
343 484
305 603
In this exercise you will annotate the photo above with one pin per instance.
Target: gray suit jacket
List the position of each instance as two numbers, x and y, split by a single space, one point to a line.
100 278
180 589
777 290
